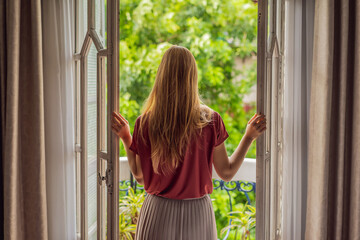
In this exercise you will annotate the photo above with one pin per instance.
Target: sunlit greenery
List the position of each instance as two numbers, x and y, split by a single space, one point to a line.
221 207
215 31
220 34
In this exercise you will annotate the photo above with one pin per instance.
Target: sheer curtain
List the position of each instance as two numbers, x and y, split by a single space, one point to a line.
59 118
299 22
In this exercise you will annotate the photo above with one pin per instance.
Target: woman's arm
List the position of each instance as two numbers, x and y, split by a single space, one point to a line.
226 168
134 160
121 128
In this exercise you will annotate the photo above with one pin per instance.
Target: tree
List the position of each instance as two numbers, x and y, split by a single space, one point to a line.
216 32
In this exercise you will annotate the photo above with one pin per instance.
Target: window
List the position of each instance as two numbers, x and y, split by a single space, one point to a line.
97 95
96 66
270 102
222 36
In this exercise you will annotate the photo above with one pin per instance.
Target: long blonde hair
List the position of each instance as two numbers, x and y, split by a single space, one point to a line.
173 111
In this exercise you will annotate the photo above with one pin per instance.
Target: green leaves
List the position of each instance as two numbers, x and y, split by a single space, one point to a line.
129 210
130 205
217 32
242 221
126 230
221 205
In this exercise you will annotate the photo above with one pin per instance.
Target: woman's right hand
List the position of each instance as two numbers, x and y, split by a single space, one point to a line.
120 126
256 126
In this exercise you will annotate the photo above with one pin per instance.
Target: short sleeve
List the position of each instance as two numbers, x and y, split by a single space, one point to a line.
220 131
133 146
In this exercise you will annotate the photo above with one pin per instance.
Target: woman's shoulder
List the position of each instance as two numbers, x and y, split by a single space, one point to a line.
214 115
139 118
206 113
210 115
141 122
216 120
137 123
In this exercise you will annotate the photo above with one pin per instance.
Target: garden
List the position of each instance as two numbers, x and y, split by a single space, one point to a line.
222 35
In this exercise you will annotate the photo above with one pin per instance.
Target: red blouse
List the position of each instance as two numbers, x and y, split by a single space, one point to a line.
193 177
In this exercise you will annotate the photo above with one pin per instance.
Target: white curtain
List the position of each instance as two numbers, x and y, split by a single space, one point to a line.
299 21
59 117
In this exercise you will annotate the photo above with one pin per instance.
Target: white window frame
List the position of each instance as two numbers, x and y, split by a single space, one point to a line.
270 101
106 156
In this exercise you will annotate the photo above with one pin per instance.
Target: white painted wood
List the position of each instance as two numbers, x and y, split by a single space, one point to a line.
101 156
83 138
85 35
96 40
247 171
113 105
261 163
270 102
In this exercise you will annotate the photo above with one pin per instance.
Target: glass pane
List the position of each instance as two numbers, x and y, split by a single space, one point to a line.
268 24
104 105
78 194
82 24
279 24
92 139
100 19
77 141
268 104
93 236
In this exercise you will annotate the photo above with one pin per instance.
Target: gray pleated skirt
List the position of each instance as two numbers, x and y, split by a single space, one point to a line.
174 219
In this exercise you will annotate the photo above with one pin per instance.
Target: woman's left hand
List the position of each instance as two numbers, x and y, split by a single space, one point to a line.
120 126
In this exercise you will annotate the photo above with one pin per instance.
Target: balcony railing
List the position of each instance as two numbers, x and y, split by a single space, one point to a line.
243 181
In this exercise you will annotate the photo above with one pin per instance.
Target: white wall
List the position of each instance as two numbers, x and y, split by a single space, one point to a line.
247 171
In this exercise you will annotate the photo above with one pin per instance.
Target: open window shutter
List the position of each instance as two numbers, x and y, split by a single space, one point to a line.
98 88
269 102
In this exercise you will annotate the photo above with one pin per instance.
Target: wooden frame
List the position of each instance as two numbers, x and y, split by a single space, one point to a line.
270 102
107 155
83 136
113 105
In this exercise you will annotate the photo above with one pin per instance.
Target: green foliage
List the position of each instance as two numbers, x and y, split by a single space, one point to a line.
126 229
130 205
129 210
220 201
243 221
216 32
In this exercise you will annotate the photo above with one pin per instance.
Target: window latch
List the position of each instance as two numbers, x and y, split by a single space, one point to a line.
107 178
101 178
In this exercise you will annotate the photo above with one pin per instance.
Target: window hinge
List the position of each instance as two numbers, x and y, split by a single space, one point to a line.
101 178
77 148
278 233
107 178
259 18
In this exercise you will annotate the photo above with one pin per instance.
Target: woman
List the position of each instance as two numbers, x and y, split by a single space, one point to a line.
175 142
